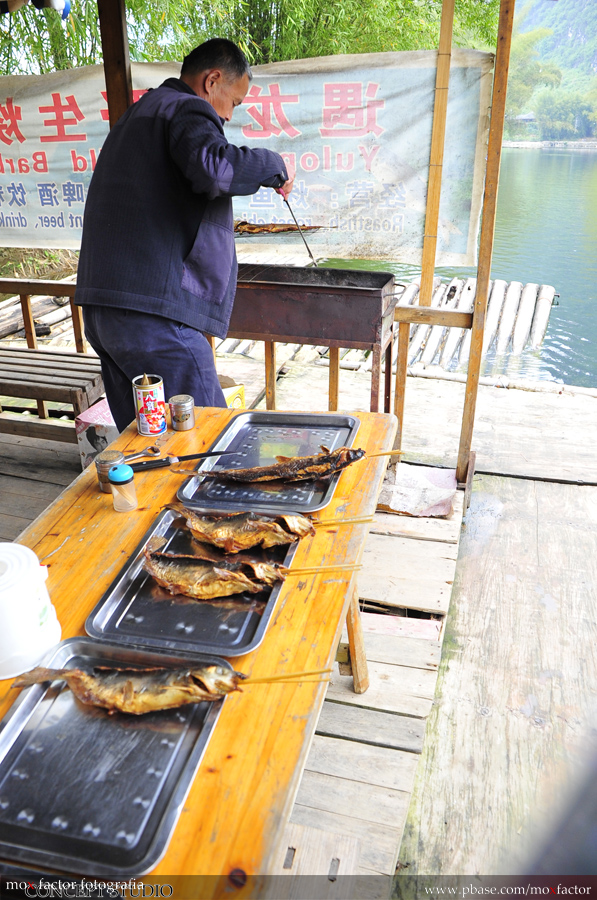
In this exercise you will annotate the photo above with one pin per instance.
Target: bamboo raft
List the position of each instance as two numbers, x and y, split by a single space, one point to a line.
517 319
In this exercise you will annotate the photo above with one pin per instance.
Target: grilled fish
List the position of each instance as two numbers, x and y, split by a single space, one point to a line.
241 531
244 227
293 468
207 580
258 567
196 578
139 691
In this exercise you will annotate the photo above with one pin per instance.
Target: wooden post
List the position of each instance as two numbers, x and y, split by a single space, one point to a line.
358 659
117 64
270 374
436 157
212 343
77 316
31 338
401 366
334 378
387 388
494 152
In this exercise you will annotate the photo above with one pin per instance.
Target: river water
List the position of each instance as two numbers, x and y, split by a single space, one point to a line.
546 232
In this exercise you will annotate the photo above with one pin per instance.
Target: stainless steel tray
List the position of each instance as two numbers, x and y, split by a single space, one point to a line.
88 792
135 611
259 437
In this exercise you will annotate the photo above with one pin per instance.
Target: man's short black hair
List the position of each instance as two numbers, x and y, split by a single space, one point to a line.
217 53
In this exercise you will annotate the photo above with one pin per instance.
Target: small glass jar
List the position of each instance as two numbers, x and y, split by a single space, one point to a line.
103 463
124 495
182 412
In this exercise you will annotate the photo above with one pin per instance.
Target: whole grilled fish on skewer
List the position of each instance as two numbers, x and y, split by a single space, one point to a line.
198 578
201 579
252 565
140 691
320 467
241 531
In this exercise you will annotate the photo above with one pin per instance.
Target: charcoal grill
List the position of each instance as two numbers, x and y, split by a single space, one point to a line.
329 307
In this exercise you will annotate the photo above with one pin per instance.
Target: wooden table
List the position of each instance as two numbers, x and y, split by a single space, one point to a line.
243 794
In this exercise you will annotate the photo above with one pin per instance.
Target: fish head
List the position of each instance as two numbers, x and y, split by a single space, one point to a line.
217 679
354 455
346 456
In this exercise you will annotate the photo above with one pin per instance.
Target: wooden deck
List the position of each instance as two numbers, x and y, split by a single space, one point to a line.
513 719
506 720
32 474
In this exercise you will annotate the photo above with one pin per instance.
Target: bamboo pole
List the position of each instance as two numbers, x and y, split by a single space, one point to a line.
494 152
436 157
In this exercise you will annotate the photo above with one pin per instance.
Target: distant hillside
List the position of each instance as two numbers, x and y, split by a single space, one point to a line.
573 44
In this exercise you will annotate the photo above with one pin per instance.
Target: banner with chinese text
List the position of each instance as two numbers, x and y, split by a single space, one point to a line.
355 129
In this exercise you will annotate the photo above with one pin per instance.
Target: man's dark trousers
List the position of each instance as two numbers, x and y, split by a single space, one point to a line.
130 343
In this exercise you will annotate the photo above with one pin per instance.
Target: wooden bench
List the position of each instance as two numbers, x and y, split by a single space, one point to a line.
60 376
43 375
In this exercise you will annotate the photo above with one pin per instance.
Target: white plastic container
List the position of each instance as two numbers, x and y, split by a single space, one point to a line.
28 623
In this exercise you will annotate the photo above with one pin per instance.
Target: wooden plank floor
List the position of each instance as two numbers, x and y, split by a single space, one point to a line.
514 717
359 775
32 474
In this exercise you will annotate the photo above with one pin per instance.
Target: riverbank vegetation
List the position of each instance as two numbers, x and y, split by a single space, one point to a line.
267 30
552 87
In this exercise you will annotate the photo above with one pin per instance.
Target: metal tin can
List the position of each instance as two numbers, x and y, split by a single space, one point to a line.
150 406
182 412
103 463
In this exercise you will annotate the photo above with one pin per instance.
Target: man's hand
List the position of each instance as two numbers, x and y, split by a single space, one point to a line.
286 188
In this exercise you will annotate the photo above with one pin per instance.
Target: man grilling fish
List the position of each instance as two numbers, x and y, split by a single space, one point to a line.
157 268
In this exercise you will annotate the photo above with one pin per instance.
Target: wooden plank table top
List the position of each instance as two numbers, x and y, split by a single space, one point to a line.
244 790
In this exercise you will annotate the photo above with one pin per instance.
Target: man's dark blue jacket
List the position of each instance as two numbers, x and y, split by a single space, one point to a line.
158 232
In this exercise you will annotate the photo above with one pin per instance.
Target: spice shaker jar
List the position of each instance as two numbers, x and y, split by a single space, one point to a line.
103 463
123 488
182 412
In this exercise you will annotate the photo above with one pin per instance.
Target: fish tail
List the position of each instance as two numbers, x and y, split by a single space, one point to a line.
38 675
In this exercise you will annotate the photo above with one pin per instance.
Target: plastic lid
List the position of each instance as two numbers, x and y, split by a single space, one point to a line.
18 564
120 474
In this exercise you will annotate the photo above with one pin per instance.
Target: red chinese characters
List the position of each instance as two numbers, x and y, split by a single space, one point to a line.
65 115
347 113
266 109
10 116
105 113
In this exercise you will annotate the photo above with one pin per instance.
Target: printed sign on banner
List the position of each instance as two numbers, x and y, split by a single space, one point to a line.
355 129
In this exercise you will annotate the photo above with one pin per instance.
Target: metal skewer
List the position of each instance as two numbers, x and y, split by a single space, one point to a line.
300 230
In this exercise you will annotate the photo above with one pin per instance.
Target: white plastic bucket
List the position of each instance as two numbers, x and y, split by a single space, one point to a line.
28 623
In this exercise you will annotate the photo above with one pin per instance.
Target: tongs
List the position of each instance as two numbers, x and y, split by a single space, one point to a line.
300 230
170 460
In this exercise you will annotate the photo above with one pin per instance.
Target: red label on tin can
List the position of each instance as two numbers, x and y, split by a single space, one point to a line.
150 405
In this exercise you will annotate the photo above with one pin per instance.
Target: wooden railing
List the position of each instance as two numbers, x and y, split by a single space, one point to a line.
28 287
